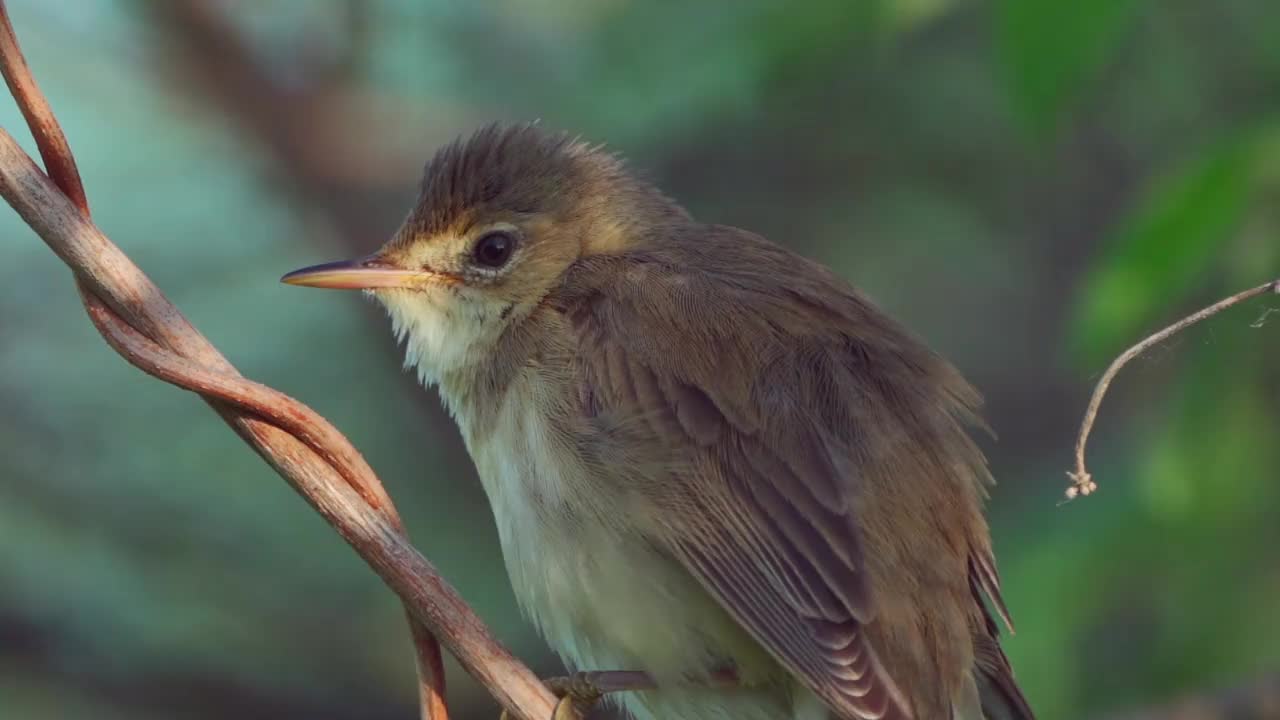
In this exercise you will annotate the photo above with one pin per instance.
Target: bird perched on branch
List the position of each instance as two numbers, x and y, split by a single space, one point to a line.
705 454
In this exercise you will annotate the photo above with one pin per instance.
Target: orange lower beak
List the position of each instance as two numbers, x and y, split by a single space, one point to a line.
363 274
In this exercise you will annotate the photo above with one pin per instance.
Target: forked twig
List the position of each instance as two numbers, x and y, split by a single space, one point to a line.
1081 481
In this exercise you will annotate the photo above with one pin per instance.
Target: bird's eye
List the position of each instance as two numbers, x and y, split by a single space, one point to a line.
494 249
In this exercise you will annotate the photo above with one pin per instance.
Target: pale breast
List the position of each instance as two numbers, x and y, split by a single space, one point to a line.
601 595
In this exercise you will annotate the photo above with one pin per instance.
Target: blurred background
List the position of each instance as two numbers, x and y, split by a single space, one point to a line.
1031 185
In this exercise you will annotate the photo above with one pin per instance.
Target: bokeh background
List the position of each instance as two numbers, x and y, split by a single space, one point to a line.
1029 184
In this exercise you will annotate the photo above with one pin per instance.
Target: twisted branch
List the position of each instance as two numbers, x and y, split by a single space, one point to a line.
137 320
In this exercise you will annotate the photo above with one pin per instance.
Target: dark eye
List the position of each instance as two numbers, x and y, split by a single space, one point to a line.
494 249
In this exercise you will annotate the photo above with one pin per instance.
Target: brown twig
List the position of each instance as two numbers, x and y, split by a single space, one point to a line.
137 320
1081 481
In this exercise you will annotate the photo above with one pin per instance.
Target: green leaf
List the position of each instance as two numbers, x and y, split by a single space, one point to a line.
1050 48
1164 250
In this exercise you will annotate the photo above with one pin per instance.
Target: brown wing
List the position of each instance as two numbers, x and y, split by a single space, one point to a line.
752 393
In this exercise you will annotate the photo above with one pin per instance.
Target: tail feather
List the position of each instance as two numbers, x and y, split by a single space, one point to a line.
999 695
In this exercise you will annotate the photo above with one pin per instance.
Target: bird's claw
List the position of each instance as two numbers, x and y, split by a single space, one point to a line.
577 694
568 709
580 686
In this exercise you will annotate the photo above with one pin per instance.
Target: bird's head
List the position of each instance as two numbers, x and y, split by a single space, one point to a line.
501 217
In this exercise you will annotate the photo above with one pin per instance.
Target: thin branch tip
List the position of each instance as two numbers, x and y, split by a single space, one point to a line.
1082 482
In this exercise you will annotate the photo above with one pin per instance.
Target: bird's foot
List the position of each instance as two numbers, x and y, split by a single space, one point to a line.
577 694
580 691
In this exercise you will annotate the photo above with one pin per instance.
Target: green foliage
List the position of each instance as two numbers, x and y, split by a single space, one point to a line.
1050 49
1168 248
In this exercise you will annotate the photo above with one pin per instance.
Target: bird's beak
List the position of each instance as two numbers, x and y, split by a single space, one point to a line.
363 274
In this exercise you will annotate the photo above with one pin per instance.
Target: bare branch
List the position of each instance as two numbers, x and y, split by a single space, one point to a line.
1081 481
137 320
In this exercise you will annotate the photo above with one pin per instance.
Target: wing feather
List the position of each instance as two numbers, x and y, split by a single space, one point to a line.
774 536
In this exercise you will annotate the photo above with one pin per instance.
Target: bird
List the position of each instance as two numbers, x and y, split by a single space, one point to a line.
704 453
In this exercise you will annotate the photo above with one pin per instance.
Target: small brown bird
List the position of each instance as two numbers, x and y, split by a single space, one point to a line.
704 453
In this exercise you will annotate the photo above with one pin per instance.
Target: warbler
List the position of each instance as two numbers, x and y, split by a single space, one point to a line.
704 453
